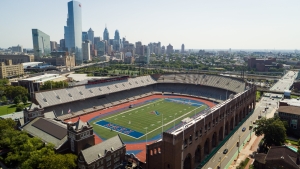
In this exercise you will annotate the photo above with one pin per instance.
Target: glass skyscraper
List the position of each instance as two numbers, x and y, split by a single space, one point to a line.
41 44
105 34
73 31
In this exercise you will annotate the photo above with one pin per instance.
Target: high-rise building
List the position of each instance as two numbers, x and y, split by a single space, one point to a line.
91 35
85 36
86 52
73 31
100 47
41 44
182 48
96 40
117 35
62 45
106 35
53 45
170 49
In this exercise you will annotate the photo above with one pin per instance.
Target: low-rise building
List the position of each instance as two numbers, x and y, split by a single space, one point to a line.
277 157
291 114
9 70
17 59
106 155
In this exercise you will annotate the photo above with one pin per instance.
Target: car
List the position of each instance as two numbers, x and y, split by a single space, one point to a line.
225 151
244 129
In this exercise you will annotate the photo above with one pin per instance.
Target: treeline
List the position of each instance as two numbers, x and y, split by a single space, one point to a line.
30 152
48 85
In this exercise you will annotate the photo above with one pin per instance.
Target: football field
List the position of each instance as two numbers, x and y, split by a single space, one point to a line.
135 123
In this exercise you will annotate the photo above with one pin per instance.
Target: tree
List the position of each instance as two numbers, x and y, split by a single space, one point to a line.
24 99
273 129
17 100
4 99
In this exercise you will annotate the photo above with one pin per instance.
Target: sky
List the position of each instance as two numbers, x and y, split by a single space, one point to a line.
199 24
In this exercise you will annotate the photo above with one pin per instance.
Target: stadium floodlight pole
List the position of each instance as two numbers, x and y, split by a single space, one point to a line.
162 123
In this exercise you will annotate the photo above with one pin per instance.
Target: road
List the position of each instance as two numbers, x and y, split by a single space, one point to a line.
285 82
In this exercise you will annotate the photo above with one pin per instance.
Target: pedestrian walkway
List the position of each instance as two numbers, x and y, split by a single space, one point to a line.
250 147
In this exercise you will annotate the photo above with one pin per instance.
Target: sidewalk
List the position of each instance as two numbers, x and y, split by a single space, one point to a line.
250 147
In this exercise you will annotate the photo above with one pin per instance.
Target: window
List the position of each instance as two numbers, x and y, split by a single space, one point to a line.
85 134
185 143
72 145
108 158
108 164
117 159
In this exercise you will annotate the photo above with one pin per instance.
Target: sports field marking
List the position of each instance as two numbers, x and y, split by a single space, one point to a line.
175 119
117 114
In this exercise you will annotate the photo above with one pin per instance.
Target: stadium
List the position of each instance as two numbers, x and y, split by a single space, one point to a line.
170 120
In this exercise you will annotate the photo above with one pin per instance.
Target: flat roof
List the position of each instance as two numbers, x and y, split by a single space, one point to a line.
42 78
82 77
291 102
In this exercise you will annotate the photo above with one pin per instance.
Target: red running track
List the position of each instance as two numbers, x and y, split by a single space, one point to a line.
133 146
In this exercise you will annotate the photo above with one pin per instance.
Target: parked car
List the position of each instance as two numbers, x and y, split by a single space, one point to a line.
244 129
225 151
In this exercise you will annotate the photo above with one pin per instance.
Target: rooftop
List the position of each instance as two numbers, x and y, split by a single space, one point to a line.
289 109
98 151
291 102
43 78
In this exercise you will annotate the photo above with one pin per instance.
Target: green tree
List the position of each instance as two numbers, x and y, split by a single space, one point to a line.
17 100
4 99
24 99
273 130
4 82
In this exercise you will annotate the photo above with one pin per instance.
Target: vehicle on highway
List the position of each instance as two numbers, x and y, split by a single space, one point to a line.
244 129
225 151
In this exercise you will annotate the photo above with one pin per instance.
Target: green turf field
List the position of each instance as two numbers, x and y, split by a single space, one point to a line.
142 117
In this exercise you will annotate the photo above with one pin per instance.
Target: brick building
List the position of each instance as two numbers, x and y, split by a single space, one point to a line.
262 65
187 146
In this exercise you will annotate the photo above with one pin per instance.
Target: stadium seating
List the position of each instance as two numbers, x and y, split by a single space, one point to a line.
85 98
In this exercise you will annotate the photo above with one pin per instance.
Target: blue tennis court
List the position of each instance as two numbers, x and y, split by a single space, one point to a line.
120 129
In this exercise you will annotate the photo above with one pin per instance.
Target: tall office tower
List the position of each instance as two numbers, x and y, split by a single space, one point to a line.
85 36
73 31
139 50
147 54
62 45
105 34
117 35
91 35
163 50
170 49
182 48
96 40
53 45
41 44
100 46
86 52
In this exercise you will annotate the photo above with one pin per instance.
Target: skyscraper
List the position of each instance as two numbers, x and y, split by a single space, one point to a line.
85 36
86 53
106 34
41 44
73 31
91 35
62 45
182 48
117 35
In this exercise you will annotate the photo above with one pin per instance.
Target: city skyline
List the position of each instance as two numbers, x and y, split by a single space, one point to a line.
197 24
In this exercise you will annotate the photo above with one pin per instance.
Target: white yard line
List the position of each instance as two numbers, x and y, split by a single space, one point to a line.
174 120
131 109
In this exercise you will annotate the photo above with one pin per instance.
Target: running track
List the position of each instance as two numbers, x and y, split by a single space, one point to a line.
134 146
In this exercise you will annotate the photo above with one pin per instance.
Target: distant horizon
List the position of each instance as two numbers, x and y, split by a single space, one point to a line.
211 25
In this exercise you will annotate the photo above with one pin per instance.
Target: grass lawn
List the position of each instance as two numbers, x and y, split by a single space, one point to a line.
292 142
7 109
142 117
